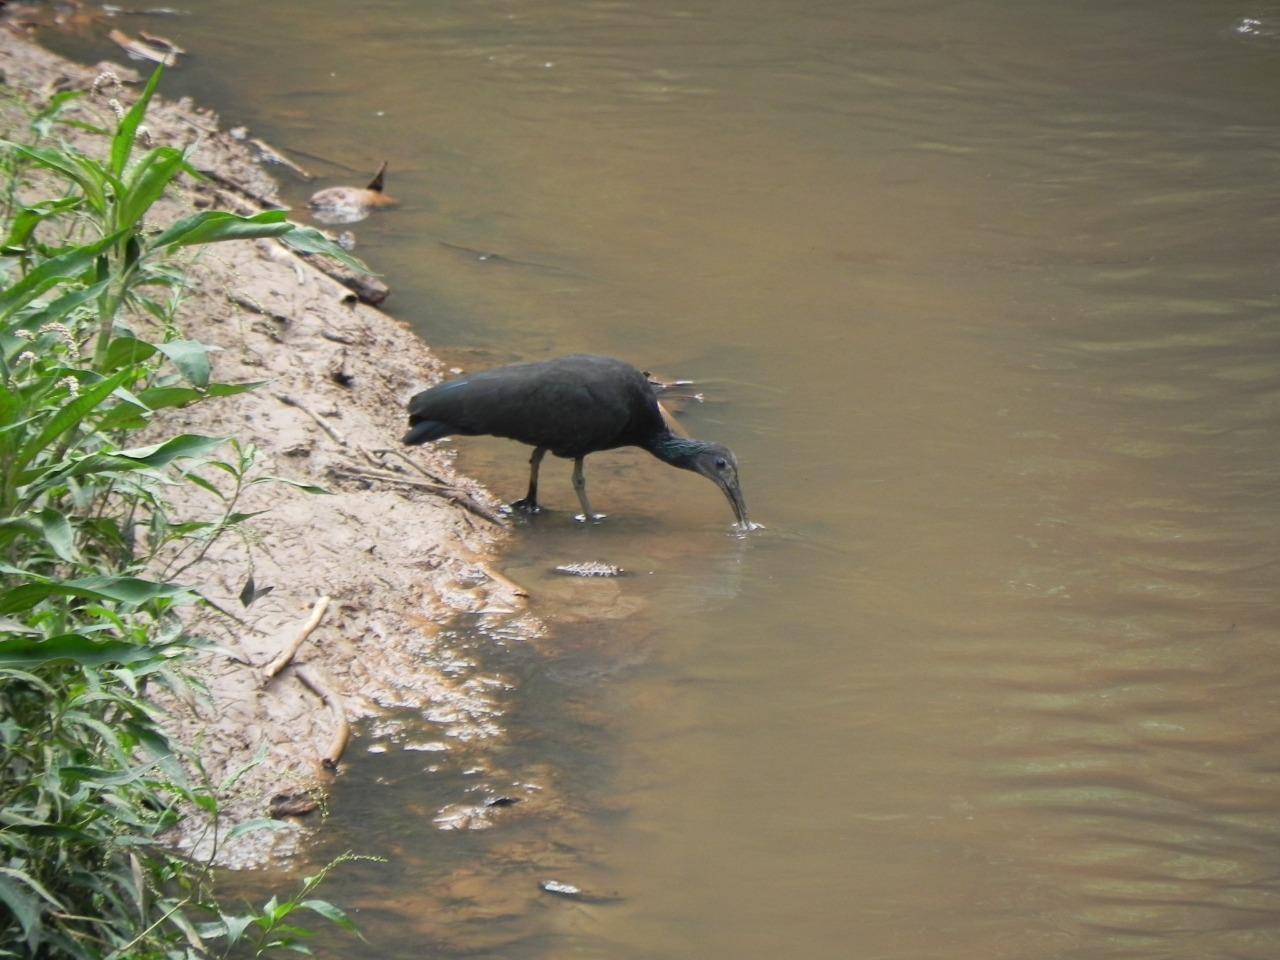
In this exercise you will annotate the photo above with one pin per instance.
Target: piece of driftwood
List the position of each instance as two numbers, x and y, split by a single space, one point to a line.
314 680
289 401
141 49
161 42
286 655
367 288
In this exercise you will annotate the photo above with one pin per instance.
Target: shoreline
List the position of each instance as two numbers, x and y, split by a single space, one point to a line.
401 545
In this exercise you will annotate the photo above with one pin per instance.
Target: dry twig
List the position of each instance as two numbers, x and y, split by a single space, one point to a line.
407 459
289 401
304 631
452 494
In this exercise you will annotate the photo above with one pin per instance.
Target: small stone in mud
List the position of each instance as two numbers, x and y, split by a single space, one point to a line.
589 568
292 804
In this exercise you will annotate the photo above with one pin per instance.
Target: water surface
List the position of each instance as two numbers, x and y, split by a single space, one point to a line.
984 297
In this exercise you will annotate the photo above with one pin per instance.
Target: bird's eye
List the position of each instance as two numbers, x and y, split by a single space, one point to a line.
721 463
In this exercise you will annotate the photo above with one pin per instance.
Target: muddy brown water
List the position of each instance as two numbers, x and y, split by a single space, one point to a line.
984 295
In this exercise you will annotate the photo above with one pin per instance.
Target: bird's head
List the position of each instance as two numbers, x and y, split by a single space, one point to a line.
714 461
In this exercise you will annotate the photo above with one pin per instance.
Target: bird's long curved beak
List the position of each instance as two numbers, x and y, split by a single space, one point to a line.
733 493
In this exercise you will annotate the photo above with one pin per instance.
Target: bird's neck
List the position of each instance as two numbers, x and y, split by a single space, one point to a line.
677 451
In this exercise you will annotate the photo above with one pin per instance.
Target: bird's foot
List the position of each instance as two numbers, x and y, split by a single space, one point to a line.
592 518
526 506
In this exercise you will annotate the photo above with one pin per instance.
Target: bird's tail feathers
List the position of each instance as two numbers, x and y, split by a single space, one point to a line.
425 431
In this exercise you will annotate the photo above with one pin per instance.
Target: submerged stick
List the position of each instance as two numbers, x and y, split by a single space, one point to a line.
313 681
286 655
504 581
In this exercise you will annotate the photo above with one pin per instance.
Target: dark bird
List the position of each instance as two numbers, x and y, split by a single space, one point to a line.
571 407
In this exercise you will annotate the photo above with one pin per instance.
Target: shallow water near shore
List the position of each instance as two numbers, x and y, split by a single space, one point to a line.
983 296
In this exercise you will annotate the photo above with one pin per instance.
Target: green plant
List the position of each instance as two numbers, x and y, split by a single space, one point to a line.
266 930
89 780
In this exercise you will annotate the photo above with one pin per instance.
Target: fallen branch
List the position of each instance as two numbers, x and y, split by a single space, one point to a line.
407 459
452 494
304 631
313 681
289 401
351 473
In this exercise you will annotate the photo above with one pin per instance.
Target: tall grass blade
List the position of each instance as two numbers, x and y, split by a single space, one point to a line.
127 129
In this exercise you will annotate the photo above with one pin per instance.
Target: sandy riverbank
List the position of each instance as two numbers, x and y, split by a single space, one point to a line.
400 546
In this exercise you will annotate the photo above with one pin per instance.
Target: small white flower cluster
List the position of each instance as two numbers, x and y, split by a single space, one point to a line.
104 79
71 384
62 332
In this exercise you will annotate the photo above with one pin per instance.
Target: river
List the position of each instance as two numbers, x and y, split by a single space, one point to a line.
983 295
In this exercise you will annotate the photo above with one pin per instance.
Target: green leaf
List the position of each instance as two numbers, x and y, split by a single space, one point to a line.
71 648
128 590
28 218
231 389
60 269
23 906
161 398
308 488
312 241
44 119
175 448
124 461
211 226
87 174
127 129
148 183
58 534
191 358
330 913
37 315
235 927
69 416
125 350
26 907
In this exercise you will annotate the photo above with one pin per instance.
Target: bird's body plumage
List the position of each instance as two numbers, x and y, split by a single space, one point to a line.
570 406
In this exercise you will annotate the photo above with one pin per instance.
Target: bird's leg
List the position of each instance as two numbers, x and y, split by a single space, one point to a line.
530 503
580 487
